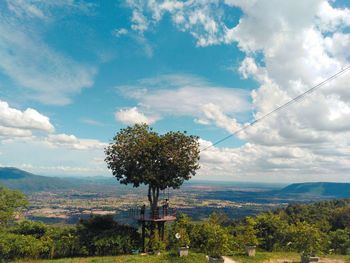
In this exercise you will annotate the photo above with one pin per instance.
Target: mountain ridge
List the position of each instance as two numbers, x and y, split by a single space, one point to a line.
325 189
28 182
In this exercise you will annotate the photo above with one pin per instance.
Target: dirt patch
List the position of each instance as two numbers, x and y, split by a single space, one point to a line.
327 260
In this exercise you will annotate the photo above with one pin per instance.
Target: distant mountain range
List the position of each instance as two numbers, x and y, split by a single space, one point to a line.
318 189
27 182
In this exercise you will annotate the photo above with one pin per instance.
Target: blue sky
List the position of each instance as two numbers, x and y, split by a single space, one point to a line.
85 69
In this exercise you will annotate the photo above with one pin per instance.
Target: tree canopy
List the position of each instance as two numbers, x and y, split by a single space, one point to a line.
11 202
138 155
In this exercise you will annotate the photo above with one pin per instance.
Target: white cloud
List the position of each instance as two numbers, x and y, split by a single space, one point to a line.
186 95
120 32
91 122
202 19
57 155
213 113
43 10
29 119
132 116
330 19
16 123
32 64
254 162
298 44
64 170
72 142
8 132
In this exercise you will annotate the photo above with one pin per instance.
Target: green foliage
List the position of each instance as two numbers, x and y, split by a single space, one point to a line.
182 226
211 238
138 155
11 204
245 233
341 218
36 229
14 246
154 242
271 230
307 239
339 241
163 257
101 235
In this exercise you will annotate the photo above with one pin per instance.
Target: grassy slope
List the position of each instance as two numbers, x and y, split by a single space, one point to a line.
288 256
192 258
165 257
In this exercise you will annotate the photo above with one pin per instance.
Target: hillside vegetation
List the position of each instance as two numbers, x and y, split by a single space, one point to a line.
321 228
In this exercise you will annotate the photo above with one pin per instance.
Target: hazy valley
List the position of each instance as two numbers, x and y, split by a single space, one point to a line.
66 200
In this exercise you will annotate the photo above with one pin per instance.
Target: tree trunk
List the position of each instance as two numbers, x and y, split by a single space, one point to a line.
153 197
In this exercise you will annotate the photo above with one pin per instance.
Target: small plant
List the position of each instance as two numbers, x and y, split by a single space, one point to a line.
215 241
155 244
249 233
179 233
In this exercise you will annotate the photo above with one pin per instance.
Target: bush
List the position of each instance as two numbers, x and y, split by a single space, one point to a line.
66 242
245 234
101 235
14 246
212 239
272 231
340 241
35 229
307 239
181 226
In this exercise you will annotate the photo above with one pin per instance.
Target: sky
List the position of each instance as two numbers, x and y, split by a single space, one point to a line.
72 73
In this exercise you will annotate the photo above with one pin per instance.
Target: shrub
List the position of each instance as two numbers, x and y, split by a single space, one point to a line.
181 226
211 239
98 233
35 229
340 241
14 246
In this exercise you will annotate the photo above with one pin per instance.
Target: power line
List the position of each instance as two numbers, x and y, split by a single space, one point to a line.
295 99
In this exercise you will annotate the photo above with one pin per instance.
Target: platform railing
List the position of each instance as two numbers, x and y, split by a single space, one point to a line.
160 213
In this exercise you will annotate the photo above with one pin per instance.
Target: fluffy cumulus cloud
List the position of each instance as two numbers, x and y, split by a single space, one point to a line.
14 122
51 77
132 116
290 46
24 132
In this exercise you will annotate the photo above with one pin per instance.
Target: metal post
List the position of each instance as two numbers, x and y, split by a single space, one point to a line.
143 236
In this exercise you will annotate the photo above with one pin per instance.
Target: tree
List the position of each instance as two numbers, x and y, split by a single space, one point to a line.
138 155
11 203
271 231
307 239
211 238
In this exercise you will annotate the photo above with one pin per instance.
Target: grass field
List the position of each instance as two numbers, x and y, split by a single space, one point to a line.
280 257
261 257
165 257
